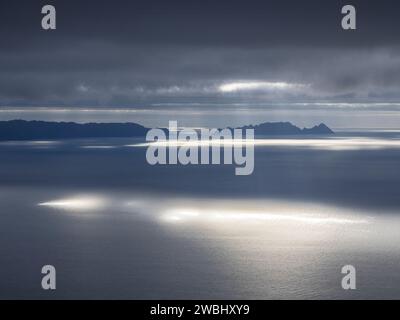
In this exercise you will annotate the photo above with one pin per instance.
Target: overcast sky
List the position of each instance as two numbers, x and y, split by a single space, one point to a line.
258 54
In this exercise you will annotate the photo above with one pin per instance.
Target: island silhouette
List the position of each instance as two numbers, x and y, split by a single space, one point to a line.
34 130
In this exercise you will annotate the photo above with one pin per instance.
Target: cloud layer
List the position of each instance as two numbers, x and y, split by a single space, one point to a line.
130 53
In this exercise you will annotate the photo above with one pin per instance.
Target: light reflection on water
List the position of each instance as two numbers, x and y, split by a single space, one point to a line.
79 203
332 143
267 247
253 215
33 143
211 210
282 220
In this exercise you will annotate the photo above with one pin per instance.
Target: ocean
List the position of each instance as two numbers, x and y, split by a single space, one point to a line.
115 227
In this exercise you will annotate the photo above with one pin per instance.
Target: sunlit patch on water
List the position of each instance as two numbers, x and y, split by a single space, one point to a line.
329 143
233 215
214 211
32 144
79 203
248 236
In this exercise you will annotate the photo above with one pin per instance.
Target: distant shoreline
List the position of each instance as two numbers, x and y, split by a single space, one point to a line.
36 130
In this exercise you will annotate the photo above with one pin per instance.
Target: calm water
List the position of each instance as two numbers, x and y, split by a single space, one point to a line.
116 227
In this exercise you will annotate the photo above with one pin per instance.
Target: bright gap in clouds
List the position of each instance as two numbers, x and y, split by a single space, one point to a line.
256 85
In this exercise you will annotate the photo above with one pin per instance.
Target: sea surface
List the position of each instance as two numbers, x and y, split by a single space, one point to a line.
116 227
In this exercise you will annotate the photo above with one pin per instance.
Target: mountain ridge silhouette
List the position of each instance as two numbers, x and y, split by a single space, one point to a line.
34 130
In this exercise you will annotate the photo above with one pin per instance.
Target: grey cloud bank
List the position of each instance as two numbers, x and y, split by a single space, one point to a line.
143 53
155 75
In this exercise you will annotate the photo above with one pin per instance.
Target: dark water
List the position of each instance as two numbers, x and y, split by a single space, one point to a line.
116 227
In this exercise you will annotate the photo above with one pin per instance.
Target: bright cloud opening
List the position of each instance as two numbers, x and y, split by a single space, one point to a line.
247 86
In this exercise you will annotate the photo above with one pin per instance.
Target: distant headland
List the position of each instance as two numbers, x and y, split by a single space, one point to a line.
287 128
37 130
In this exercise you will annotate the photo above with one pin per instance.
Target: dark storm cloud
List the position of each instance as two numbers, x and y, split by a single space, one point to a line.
143 52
